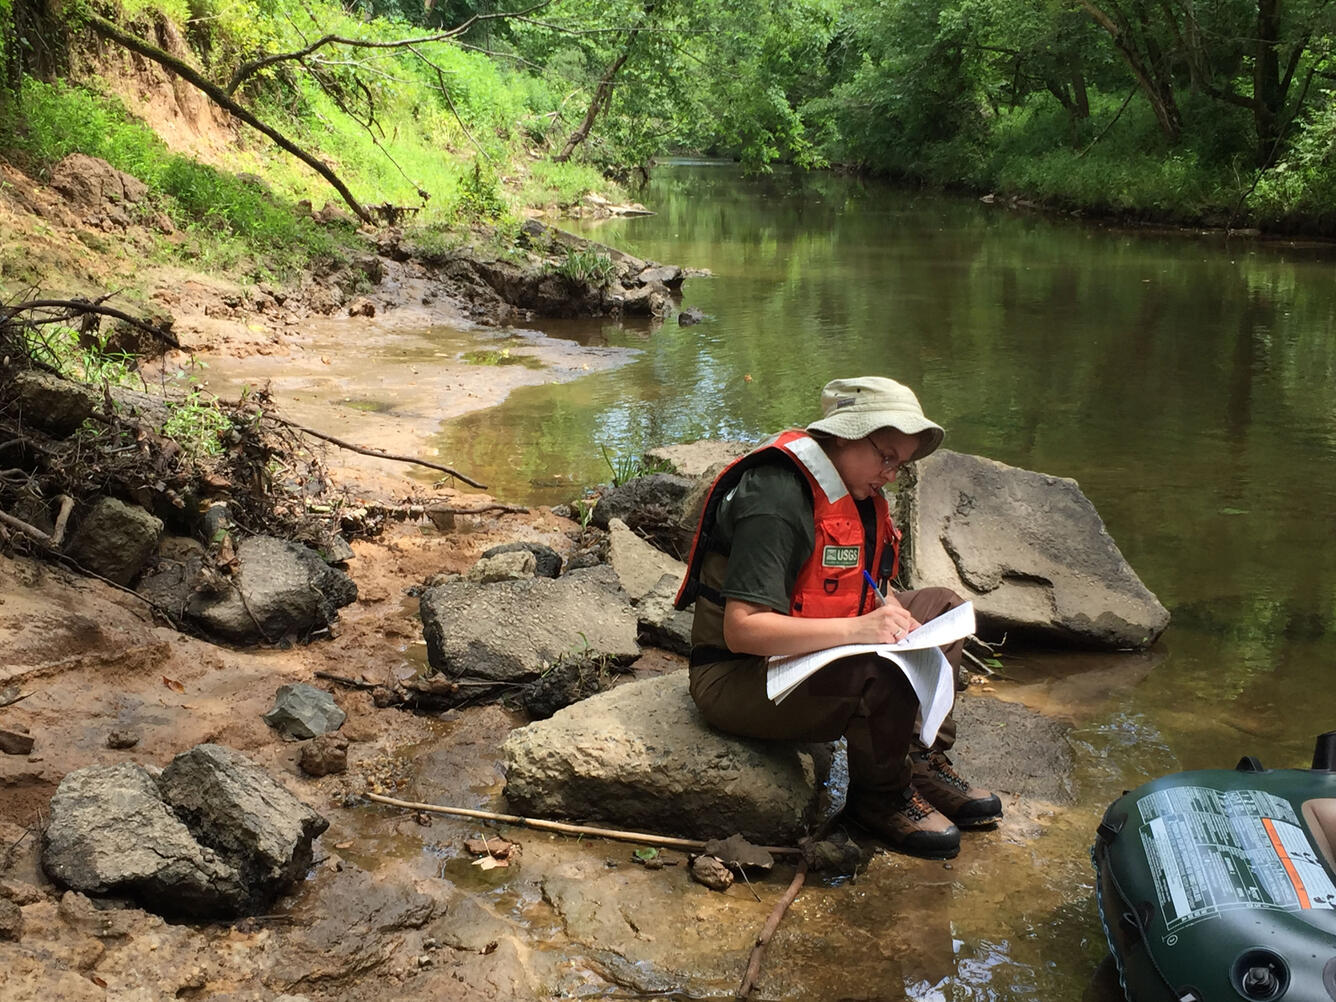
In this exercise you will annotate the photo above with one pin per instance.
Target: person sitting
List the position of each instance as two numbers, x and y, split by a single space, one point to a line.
777 568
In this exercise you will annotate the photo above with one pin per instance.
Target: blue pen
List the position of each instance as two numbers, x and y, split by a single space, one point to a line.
881 599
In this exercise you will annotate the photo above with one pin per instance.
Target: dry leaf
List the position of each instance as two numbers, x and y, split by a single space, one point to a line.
173 684
100 982
497 847
343 845
490 863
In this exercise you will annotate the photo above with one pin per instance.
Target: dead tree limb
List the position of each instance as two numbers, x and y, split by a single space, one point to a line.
220 97
376 453
771 924
58 533
603 92
667 841
76 306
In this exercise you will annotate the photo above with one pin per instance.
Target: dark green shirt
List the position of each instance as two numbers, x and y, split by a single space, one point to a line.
765 527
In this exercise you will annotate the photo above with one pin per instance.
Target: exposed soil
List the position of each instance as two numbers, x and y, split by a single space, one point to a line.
395 906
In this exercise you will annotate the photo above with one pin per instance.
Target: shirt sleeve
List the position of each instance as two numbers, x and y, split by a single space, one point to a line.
770 514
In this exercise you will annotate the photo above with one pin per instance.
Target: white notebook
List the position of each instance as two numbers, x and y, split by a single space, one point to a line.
918 655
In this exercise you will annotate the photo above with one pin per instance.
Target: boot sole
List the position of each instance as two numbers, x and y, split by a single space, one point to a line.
972 824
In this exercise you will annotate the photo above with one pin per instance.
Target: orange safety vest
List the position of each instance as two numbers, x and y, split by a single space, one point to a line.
831 583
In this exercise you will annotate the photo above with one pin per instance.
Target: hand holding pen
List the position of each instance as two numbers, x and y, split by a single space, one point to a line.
895 616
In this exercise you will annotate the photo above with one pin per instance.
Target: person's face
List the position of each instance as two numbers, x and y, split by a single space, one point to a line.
868 464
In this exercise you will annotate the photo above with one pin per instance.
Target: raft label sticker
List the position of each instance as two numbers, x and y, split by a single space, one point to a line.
1211 851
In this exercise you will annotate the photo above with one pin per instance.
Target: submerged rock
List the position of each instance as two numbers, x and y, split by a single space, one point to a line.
1029 550
641 757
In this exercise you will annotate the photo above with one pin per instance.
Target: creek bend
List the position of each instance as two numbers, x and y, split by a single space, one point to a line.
1188 383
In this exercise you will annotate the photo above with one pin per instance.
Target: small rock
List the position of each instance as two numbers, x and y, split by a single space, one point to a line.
302 711
361 307
122 738
15 742
691 315
11 921
712 873
324 755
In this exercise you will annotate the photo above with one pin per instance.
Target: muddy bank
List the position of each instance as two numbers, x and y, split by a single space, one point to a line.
396 901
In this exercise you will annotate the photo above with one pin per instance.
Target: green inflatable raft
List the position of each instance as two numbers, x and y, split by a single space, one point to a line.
1220 885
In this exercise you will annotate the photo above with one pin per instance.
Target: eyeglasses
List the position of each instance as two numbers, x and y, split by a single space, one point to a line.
889 460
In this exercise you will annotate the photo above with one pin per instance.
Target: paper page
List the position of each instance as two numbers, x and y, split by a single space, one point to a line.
785 672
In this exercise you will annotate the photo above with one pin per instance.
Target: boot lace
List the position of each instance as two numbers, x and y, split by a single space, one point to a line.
941 765
915 807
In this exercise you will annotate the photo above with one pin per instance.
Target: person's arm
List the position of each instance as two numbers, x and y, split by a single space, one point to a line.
757 629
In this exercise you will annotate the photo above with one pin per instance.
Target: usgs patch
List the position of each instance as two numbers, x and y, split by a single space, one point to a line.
840 556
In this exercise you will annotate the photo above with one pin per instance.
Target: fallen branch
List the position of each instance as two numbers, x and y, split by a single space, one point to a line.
351 683
667 841
376 453
442 509
192 76
28 530
82 306
58 533
768 931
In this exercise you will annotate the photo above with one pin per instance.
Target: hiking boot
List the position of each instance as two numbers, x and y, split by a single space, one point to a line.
950 793
907 822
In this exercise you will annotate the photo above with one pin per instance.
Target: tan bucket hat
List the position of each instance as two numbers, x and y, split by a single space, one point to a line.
855 408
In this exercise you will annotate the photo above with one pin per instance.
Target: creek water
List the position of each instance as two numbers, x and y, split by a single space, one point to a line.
1187 382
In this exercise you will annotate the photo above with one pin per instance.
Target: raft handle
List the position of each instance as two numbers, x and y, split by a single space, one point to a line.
1250 763
1324 752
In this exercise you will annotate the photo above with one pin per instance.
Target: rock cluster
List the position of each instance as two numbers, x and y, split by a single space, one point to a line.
212 836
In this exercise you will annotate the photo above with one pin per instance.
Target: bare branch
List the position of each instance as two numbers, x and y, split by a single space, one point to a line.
192 76
445 93
77 306
254 66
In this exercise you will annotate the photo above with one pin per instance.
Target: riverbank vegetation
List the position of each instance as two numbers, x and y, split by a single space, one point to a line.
442 115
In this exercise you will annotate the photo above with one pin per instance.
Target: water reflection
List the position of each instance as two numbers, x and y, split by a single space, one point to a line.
1187 384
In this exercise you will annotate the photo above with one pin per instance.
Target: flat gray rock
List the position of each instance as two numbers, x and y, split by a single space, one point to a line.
640 756
513 631
1029 550
639 565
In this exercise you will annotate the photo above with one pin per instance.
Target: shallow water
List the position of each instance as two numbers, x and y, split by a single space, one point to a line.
1186 382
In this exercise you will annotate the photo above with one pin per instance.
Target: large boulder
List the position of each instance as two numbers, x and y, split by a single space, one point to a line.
640 756
513 631
116 539
214 836
1029 550
280 588
111 833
